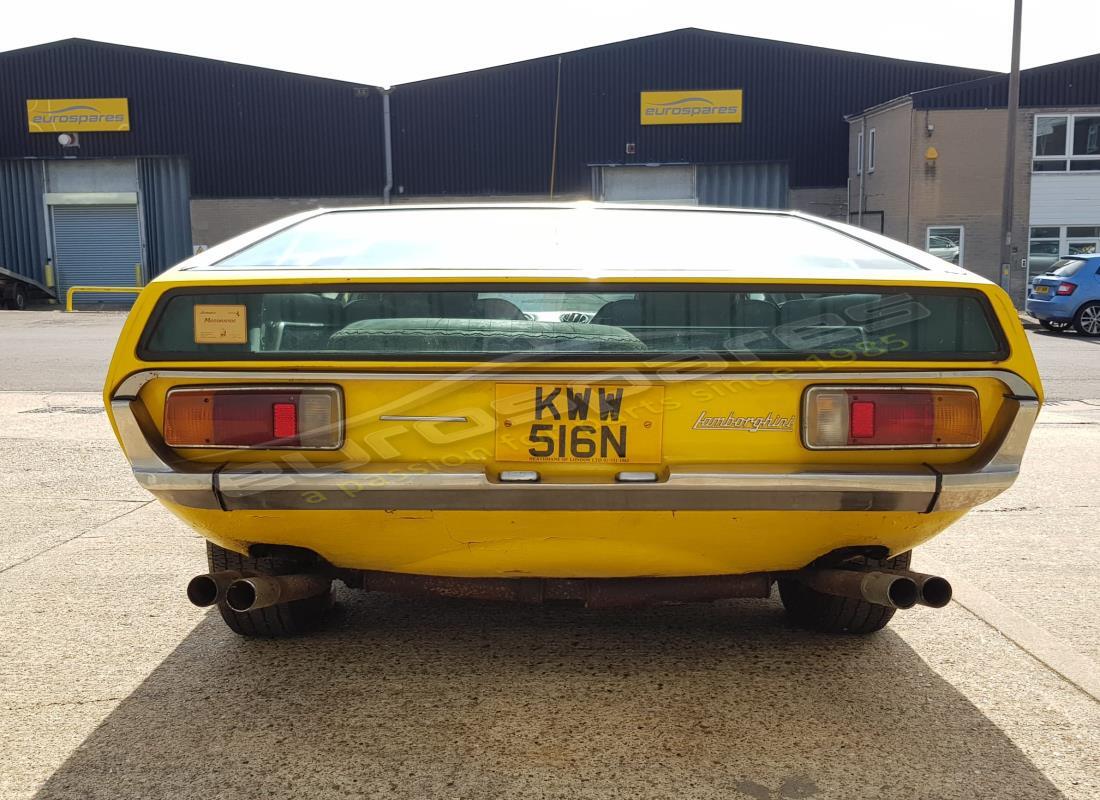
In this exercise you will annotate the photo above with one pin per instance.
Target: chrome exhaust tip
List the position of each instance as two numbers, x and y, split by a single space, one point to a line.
881 588
261 591
892 591
209 589
932 590
935 592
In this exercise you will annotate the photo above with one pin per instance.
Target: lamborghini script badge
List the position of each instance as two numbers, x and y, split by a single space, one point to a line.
732 422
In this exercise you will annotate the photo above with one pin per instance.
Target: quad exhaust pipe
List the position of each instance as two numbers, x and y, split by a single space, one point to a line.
247 592
209 589
899 589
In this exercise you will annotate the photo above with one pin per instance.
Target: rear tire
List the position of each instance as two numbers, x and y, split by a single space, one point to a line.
828 613
1087 320
277 621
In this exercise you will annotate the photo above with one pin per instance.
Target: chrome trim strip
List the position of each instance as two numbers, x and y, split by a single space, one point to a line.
415 418
969 484
156 467
700 488
132 384
473 491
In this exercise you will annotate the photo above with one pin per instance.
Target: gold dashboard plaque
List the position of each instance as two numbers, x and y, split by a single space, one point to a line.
221 324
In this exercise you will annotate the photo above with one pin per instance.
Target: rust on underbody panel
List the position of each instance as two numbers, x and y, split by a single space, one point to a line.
592 592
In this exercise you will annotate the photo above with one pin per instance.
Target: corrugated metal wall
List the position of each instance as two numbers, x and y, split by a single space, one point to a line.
743 185
22 218
166 212
252 132
1067 83
492 131
248 132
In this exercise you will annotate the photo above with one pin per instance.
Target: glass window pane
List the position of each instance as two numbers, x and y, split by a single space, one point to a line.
1050 136
1045 233
1084 164
945 243
1086 136
1067 267
509 240
1081 248
503 321
1083 232
1049 166
1048 248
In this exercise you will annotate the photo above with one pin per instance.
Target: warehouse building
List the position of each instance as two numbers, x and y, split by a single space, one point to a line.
116 162
927 168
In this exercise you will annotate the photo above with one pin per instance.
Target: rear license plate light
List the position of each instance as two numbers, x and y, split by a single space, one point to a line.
267 418
862 417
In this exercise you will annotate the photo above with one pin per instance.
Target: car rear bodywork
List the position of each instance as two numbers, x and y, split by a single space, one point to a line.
424 479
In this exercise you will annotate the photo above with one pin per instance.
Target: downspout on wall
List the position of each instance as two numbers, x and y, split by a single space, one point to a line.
861 154
387 147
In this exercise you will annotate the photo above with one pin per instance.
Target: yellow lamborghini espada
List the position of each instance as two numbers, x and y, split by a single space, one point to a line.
604 404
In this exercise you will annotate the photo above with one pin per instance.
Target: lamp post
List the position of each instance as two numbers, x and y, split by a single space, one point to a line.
1008 198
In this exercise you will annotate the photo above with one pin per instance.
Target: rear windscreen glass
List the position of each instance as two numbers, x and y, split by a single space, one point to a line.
604 238
1067 267
561 322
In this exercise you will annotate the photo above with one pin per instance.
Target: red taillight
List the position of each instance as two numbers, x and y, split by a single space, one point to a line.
306 418
285 420
854 417
1065 289
862 419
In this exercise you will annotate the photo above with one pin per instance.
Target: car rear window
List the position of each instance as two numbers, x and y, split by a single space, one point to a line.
554 322
1067 267
602 238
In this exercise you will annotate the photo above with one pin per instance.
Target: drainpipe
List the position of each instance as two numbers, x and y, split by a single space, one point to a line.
1008 197
862 153
387 138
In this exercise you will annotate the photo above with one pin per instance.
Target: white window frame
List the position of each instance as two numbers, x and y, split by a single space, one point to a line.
1064 240
962 238
859 153
871 149
1068 156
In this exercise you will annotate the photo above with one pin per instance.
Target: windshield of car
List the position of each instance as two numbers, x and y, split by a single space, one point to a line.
485 322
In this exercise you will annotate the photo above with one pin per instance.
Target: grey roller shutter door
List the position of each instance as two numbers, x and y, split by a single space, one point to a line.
763 185
656 184
96 246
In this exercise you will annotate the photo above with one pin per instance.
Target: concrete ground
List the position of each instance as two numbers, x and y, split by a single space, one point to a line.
112 686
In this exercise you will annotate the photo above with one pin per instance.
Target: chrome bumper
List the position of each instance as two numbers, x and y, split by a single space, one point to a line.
914 489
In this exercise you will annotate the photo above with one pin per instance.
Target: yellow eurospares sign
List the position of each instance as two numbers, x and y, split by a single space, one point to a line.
71 116
692 107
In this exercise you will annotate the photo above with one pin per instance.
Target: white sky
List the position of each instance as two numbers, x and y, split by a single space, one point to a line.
391 42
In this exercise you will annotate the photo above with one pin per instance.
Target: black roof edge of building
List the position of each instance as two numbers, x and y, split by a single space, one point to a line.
989 80
60 43
692 32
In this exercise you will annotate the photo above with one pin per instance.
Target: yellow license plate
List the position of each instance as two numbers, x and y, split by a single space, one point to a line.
591 423
1042 290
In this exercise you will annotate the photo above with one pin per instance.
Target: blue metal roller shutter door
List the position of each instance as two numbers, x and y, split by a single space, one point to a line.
96 246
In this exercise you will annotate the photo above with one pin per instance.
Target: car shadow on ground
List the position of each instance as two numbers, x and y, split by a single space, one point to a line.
418 699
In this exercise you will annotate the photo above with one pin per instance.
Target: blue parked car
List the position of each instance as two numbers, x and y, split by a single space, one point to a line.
1068 295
